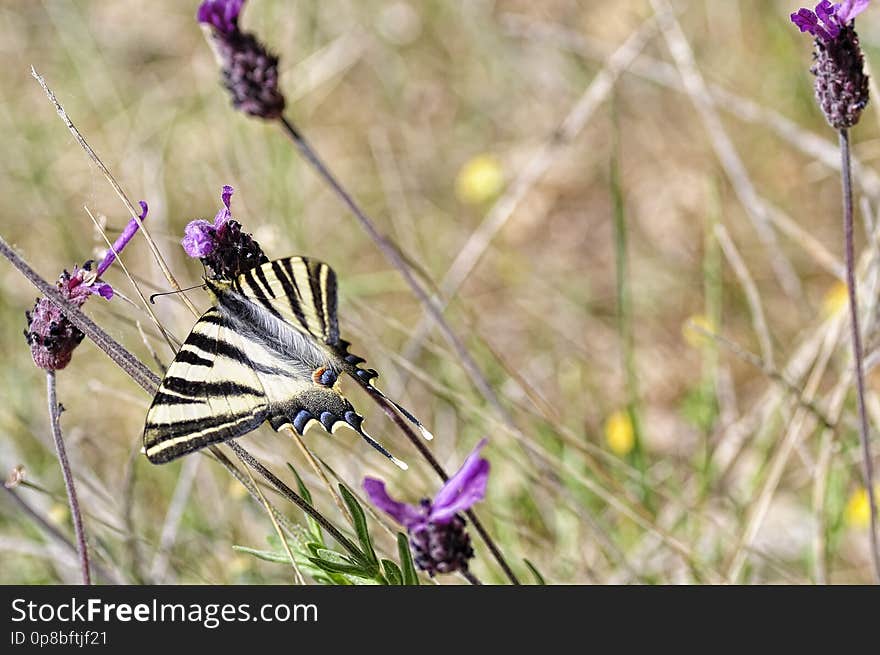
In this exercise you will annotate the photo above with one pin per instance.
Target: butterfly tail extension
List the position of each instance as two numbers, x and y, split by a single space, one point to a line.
354 421
366 378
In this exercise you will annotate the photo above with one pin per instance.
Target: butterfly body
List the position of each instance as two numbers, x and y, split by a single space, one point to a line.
269 350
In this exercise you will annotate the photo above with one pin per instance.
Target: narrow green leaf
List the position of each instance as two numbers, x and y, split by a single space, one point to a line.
410 577
335 567
360 524
265 555
392 572
538 577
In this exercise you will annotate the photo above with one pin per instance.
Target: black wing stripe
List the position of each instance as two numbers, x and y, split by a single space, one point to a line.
192 358
290 291
332 303
314 270
197 390
266 286
259 293
169 399
175 429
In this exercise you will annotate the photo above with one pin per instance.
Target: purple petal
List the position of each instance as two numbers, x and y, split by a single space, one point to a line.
224 214
222 15
406 515
807 21
462 490
198 239
122 241
849 9
825 12
102 289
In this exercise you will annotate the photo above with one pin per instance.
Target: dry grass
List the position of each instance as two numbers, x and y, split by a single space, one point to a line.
734 477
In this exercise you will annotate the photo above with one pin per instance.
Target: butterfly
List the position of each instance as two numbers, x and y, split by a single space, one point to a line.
268 350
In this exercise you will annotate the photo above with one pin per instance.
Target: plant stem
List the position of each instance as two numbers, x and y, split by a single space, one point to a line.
470 577
81 546
846 178
292 496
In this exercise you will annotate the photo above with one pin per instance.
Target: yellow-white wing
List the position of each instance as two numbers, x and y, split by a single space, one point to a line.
224 384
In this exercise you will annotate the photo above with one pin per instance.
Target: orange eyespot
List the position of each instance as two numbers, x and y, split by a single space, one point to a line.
324 376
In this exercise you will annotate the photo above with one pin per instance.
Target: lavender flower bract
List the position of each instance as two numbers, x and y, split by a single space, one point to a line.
222 245
51 337
250 71
841 84
436 527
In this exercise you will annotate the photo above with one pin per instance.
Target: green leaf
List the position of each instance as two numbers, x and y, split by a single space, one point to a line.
335 567
392 572
314 528
266 555
410 577
360 524
538 577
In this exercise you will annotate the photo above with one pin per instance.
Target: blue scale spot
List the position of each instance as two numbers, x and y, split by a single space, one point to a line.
328 378
353 419
327 420
299 422
354 359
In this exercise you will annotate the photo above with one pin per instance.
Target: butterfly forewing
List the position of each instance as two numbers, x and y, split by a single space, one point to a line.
209 394
298 290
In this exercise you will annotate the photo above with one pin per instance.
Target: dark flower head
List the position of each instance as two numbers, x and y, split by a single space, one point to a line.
222 15
50 335
841 84
222 245
436 528
250 71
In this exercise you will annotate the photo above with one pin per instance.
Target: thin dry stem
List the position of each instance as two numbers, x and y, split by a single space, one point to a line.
759 321
82 547
724 148
316 467
116 187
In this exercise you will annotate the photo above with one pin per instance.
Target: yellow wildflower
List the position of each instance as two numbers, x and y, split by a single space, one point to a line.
858 509
479 180
619 433
835 299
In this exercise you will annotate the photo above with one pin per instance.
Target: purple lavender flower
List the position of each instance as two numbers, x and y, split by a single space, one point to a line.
51 337
222 15
222 245
841 84
250 71
827 20
436 528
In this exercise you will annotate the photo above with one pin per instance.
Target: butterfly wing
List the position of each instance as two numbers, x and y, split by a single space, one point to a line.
298 290
226 381
210 393
302 292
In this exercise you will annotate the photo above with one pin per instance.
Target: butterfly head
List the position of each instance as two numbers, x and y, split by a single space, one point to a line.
217 287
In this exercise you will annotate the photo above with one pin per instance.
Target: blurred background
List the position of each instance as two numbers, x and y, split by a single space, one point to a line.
594 193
